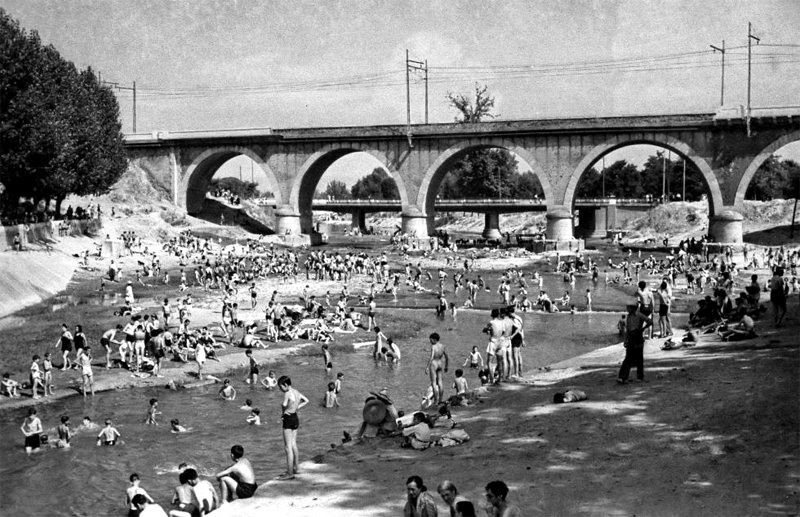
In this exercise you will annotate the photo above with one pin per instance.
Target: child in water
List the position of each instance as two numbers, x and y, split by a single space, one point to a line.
326 358
270 382
331 400
108 435
254 418
338 383
227 391
152 412
176 426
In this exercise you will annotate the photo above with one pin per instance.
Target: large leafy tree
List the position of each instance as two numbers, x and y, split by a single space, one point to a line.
485 173
337 190
623 179
60 127
377 185
775 179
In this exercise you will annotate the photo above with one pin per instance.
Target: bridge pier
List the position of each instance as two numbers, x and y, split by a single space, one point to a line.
414 222
287 221
359 220
491 228
559 224
726 227
594 222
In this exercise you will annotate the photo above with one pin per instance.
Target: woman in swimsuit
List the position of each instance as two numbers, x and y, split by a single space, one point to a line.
65 342
292 401
436 363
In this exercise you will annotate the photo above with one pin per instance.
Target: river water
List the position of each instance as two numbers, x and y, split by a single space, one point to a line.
91 480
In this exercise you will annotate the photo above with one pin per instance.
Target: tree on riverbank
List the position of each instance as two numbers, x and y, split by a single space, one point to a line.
60 125
485 173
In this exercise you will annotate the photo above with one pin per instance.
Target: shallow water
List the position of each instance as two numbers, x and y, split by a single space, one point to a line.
90 480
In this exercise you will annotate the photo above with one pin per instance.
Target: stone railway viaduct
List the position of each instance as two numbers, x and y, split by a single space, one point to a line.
558 151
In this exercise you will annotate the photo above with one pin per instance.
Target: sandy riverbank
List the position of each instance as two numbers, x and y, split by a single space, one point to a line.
714 432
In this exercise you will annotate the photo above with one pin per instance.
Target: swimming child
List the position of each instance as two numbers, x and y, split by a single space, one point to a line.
87 424
254 418
227 392
176 426
326 358
270 382
152 412
108 435
248 405
331 400
64 433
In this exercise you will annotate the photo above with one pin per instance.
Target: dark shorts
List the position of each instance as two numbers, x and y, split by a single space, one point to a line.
130 338
290 421
159 353
66 347
329 365
663 310
105 342
245 490
253 371
33 441
647 310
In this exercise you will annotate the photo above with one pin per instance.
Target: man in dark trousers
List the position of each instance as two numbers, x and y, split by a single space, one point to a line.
635 323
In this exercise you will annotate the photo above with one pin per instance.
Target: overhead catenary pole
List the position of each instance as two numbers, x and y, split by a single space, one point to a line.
721 50
426 92
414 65
134 106
750 39
118 87
408 103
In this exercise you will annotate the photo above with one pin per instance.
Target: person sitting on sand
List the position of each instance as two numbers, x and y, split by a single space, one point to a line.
10 386
418 434
239 480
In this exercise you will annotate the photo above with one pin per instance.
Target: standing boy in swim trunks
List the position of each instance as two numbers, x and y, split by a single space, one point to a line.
239 480
293 400
252 376
326 358
85 361
32 429
436 363
109 435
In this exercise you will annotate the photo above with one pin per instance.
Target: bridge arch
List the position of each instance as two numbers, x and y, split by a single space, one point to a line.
759 160
438 170
194 184
673 144
302 190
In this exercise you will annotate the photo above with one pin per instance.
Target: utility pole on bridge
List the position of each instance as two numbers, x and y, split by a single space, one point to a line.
722 82
118 87
412 65
750 39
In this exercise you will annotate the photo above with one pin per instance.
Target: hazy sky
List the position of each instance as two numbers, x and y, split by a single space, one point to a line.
207 64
